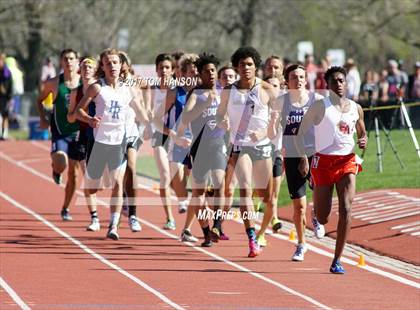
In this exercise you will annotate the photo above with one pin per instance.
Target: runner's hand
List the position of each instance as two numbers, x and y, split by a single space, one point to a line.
304 166
362 142
43 122
182 141
147 135
224 124
257 135
94 122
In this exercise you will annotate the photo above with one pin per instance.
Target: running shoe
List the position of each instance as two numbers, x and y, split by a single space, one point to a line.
57 178
170 225
187 236
259 207
223 236
299 255
337 268
276 224
319 229
65 215
134 224
254 249
94 225
182 207
215 234
207 242
262 242
113 233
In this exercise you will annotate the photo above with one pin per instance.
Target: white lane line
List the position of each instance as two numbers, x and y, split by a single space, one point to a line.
406 225
41 146
91 252
313 248
403 213
394 217
381 208
13 294
34 160
410 229
239 267
385 213
416 234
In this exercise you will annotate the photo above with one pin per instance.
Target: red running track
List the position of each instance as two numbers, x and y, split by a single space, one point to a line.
52 264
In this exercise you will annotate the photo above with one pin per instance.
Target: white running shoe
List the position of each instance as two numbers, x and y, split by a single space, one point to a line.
187 236
299 255
94 225
134 224
113 233
319 229
182 206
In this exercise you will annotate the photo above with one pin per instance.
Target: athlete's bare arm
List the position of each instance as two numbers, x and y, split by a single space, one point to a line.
192 110
138 105
276 115
49 86
361 129
313 117
221 114
81 114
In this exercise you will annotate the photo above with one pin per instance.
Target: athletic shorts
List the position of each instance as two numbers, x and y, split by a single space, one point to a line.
5 108
178 154
296 183
133 143
257 152
160 139
69 144
277 164
329 169
209 155
102 156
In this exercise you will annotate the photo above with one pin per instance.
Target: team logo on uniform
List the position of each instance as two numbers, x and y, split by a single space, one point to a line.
212 124
344 127
115 109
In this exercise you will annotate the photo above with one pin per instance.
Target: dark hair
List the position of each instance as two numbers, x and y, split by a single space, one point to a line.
245 52
163 57
219 73
333 70
68 51
177 55
291 68
205 59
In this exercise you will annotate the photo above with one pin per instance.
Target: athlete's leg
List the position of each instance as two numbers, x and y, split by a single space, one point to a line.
162 162
262 174
72 175
322 197
346 188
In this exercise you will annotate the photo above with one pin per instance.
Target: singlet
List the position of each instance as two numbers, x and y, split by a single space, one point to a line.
111 107
291 119
246 113
59 123
175 112
334 134
204 126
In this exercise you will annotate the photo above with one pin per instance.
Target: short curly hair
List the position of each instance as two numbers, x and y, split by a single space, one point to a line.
245 52
333 70
205 59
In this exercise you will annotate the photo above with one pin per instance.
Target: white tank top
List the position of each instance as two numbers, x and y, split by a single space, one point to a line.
112 106
159 98
334 135
246 114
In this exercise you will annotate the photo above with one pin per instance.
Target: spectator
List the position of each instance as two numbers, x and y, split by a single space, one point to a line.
17 81
48 70
370 87
353 80
5 96
397 81
311 70
320 84
383 86
414 83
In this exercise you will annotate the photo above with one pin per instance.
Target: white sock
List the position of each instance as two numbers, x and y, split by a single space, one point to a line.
115 218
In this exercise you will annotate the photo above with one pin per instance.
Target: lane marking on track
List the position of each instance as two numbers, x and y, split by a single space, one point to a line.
239 267
91 252
406 225
13 294
311 247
